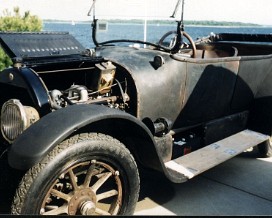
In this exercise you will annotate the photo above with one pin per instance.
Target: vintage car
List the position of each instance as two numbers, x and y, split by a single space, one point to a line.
78 125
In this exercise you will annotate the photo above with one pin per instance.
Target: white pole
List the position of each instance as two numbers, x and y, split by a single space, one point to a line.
145 25
145 32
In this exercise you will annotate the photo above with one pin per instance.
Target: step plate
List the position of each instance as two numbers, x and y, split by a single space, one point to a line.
206 158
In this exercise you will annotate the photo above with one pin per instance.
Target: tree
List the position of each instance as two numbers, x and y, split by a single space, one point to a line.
15 22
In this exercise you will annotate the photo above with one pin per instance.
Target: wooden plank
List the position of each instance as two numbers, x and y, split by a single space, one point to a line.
203 159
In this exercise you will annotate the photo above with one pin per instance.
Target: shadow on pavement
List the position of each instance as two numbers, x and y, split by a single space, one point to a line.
240 186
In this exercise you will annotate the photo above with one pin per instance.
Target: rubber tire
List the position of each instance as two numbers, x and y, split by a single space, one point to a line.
35 183
265 149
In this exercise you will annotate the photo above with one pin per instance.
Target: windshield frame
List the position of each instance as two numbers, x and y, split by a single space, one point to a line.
174 49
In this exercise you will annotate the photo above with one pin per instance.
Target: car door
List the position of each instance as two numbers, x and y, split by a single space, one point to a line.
209 89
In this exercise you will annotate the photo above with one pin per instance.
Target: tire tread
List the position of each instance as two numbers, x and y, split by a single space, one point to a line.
30 176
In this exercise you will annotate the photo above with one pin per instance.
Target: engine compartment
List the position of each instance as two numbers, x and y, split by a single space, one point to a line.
86 84
60 85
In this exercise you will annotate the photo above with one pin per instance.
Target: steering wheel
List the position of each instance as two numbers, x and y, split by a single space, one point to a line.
173 41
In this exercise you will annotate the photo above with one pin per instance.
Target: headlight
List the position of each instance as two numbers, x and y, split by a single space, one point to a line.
15 118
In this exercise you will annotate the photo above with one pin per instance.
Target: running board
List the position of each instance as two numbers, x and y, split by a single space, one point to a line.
193 164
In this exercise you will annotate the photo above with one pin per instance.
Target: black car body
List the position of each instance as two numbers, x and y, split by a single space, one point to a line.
76 123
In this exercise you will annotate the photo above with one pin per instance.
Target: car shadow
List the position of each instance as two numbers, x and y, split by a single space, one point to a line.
240 186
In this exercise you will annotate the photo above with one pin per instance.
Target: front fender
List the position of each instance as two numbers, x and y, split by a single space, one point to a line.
35 142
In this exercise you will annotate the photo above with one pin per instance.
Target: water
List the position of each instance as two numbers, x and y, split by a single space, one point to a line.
83 31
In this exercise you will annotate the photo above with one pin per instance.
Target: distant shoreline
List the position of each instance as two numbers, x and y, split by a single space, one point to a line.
218 24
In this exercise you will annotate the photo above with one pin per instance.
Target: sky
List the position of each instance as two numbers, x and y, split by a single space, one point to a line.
249 11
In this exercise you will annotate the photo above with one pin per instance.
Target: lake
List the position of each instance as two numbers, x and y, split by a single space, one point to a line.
82 31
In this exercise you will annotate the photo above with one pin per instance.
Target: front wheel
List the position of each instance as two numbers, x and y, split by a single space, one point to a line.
88 174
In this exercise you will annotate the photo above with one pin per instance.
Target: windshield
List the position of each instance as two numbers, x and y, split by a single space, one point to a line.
135 20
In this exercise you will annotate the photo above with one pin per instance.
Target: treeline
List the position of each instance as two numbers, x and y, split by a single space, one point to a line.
188 22
168 22
15 21
217 23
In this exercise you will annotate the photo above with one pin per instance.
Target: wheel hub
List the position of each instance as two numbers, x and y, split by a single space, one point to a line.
83 201
87 208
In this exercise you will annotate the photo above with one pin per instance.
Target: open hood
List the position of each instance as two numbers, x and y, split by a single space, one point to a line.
36 45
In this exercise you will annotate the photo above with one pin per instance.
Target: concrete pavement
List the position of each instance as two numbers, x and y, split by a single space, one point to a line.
240 186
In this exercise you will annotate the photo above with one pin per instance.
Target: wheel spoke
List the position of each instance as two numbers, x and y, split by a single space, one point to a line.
101 212
89 175
61 195
73 179
106 195
60 210
115 210
101 181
